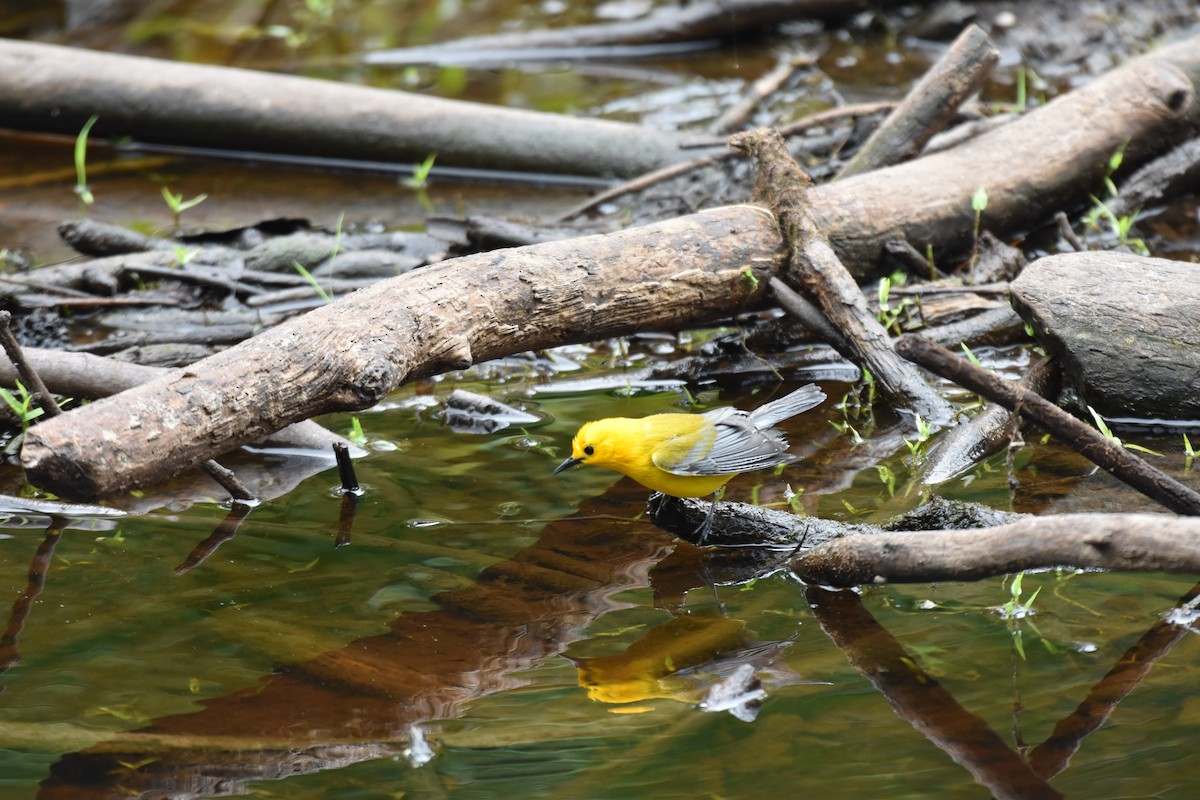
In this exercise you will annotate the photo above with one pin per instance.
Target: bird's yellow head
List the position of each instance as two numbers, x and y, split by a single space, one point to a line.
598 443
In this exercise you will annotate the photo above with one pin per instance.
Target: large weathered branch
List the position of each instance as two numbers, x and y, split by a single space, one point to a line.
49 88
1048 160
351 354
1143 542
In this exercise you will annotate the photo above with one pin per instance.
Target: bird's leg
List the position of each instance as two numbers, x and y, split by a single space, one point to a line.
708 518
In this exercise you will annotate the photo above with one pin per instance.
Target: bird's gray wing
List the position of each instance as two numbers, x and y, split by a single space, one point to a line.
739 446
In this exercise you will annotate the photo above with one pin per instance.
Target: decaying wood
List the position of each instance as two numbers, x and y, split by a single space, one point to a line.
349 355
930 105
1087 441
49 88
814 266
83 375
1125 328
1143 542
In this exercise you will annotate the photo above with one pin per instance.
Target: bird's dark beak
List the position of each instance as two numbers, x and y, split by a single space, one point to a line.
570 462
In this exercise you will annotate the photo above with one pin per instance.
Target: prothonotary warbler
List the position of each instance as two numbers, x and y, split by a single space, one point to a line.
691 455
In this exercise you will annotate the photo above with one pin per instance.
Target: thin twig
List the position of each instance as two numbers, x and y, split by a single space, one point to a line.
41 395
229 481
1087 441
675 170
760 90
345 467
1068 233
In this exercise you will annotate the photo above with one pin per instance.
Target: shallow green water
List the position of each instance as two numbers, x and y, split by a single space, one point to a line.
281 642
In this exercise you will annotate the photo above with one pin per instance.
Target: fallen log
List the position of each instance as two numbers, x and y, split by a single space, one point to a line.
1048 160
1143 542
56 89
1123 327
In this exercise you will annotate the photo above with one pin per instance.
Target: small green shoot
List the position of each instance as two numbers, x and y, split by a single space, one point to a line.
970 356
81 187
1122 226
794 498
1102 426
751 279
1189 454
312 281
979 203
916 445
869 381
356 432
184 254
887 478
337 236
178 205
1014 611
22 405
420 175
846 427
854 510
1114 164
889 315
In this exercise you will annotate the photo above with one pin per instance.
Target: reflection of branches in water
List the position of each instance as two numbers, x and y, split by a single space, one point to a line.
921 701
918 699
9 655
1052 756
225 530
359 701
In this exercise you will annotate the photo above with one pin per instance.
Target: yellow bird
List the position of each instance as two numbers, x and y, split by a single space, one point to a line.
691 455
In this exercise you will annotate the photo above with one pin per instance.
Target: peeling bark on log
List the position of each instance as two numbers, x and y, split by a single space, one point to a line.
1125 328
49 88
349 355
1144 542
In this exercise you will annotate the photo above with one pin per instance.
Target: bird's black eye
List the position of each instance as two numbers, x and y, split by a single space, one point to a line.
589 451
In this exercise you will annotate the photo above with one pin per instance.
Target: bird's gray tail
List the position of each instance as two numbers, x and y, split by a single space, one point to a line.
788 406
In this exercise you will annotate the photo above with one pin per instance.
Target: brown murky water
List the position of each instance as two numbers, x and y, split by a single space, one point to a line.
495 631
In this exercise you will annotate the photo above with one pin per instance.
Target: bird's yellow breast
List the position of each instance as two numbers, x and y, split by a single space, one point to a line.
636 447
